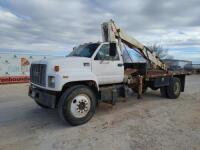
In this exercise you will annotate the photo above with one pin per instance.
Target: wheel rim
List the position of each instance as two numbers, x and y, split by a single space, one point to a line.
176 88
80 106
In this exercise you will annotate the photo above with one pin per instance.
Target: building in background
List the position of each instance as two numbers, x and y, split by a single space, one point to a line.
195 68
175 64
14 67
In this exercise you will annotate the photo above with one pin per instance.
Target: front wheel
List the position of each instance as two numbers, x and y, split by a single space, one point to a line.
77 105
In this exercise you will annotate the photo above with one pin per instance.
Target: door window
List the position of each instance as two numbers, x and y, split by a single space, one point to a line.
103 53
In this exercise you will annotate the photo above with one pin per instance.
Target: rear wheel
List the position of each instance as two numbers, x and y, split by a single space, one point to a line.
77 105
163 92
174 88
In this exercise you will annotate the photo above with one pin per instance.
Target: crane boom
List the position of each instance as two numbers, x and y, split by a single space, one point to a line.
111 33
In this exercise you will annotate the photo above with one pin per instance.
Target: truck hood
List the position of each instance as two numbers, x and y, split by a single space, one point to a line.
66 63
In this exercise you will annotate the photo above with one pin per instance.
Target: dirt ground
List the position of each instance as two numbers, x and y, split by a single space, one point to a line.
153 123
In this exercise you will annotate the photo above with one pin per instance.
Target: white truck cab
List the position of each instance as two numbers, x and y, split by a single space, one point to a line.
88 62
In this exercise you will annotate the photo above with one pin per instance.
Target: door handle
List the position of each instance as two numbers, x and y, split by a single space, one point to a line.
119 65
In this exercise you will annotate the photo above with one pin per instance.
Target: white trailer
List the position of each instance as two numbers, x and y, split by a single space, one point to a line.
15 67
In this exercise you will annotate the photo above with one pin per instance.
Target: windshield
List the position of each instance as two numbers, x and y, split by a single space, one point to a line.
86 50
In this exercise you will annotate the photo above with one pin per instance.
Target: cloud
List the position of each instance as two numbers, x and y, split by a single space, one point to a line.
186 54
59 25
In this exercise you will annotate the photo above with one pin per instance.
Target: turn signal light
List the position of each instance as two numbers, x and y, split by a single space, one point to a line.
56 68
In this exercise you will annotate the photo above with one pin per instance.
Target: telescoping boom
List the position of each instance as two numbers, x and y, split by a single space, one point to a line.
111 32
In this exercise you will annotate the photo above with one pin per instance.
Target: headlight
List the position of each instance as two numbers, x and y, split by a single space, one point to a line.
51 81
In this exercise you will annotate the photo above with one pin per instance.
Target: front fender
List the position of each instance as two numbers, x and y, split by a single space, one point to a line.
74 75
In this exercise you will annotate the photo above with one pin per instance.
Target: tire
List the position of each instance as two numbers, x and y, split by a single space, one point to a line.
41 105
77 105
174 88
163 92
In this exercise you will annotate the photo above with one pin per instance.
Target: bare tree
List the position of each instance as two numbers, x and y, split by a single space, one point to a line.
160 51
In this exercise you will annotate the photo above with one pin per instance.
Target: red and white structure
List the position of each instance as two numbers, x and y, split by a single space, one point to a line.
14 67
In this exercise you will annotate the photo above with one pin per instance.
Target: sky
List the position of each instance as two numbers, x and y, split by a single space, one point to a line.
56 26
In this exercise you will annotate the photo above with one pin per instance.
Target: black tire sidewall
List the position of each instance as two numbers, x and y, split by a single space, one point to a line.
66 100
163 92
170 89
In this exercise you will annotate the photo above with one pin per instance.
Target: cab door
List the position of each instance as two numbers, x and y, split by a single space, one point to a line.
108 69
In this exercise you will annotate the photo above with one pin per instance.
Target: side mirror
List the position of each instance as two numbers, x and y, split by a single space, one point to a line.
113 49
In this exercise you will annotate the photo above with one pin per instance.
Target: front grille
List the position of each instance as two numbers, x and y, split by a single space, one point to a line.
38 74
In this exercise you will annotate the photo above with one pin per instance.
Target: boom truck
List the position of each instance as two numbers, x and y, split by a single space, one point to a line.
96 72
